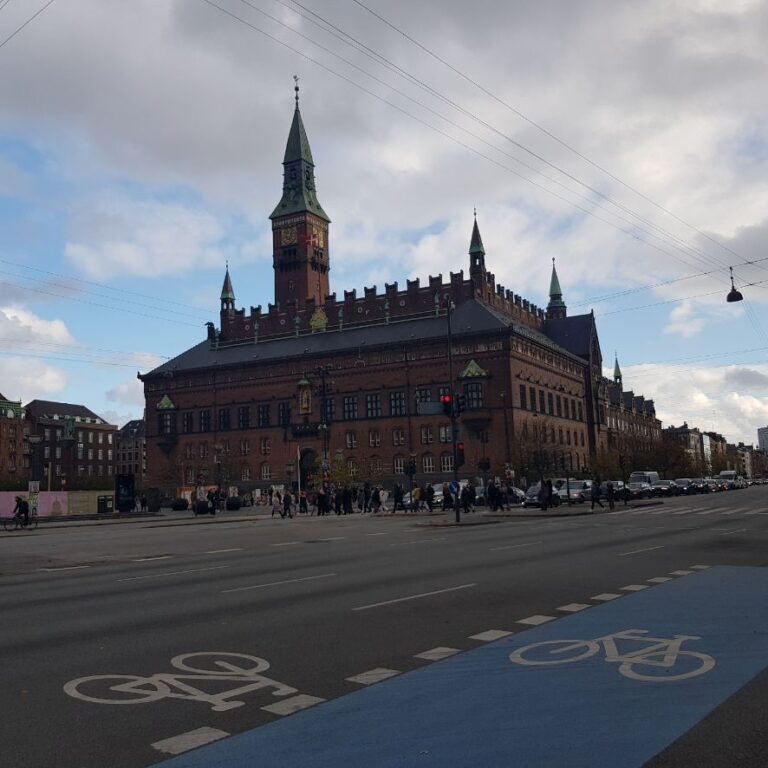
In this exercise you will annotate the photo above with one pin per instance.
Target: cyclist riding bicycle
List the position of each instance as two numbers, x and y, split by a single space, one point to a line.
21 510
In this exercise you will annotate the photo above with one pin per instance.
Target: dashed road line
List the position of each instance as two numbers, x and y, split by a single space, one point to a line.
573 607
373 676
636 551
659 579
634 587
536 620
413 597
219 551
172 573
515 546
294 704
417 541
707 512
680 573
65 568
490 635
605 596
435 654
150 559
739 530
699 567
333 538
285 543
278 583
176 745
383 533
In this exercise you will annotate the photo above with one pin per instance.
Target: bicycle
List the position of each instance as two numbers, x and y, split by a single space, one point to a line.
14 522
661 655
203 666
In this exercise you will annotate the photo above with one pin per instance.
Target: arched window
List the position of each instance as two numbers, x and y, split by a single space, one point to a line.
427 463
245 472
266 471
446 462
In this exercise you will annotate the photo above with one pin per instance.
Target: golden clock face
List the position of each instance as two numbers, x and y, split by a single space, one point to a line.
319 238
288 236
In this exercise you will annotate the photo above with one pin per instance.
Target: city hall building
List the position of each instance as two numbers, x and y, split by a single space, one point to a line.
321 383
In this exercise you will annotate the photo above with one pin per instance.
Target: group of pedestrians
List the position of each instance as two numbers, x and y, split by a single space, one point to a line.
328 499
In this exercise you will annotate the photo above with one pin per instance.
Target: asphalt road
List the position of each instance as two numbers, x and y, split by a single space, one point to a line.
323 600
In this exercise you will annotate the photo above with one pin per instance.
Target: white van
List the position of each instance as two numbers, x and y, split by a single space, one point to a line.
644 477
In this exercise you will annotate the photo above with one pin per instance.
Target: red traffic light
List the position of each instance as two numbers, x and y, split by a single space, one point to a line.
447 402
459 454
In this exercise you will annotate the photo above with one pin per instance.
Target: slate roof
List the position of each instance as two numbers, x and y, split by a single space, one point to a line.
133 430
469 318
573 333
47 408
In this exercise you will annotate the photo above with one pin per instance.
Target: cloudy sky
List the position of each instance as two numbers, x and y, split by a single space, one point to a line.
141 142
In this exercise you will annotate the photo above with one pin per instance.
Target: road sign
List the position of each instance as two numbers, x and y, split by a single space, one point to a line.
34 486
454 486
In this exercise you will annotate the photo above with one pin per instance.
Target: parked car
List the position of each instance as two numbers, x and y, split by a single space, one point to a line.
516 495
665 488
572 490
620 489
640 490
532 497
686 486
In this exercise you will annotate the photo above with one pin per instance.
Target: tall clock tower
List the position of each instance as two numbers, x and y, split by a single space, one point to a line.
299 226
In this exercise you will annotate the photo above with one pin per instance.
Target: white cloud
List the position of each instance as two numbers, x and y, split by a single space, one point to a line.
28 379
123 237
19 326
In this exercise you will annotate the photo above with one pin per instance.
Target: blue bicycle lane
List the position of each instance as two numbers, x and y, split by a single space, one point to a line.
481 709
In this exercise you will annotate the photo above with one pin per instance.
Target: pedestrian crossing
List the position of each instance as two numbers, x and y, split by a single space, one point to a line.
696 511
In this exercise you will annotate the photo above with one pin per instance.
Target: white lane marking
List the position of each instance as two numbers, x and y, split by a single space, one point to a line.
373 676
285 543
294 704
605 596
435 654
753 512
634 587
278 583
413 597
707 512
417 541
683 512
534 621
635 551
219 551
148 559
699 567
172 573
490 635
680 573
176 745
659 579
621 512
730 512
515 546
573 607
333 538
739 530
658 512
65 568
383 533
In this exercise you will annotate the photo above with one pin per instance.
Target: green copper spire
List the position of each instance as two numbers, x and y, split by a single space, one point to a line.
617 371
476 243
227 292
556 308
299 194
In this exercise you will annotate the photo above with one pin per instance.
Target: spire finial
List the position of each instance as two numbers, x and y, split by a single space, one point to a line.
475 211
296 88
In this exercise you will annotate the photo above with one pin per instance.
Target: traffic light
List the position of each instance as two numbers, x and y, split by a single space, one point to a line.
411 467
459 455
461 403
447 402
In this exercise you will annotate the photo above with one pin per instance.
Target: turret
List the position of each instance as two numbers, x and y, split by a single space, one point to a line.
227 294
477 271
556 309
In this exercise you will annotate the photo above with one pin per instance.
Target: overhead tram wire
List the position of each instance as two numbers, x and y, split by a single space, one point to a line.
9 353
28 21
75 348
475 151
383 60
541 128
3 4
98 285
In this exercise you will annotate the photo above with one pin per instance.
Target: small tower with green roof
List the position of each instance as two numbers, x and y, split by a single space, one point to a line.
227 293
617 372
299 225
556 309
477 272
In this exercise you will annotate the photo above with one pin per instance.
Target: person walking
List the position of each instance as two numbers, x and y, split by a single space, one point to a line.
595 494
287 504
275 502
466 498
303 509
543 495
375 499
610 494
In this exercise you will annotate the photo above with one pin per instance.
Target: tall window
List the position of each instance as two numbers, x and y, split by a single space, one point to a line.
426 436
398 437
204 450
398 464
566 408
374 438
245 447
223 419
542 406
283 414
473 391
372 405
244 417
266 472
262 415
350 407
428 463
165 425
559 401
550 404
532 393
205 420
189 475
265 446
581 412
352 468
446 462
523 397
445 434
330 410
423 395
189 451
397 404
351 439
245 472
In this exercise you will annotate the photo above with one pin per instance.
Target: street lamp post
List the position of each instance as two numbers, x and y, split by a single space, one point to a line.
457 486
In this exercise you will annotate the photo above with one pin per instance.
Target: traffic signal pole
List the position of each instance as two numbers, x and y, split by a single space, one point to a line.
457 504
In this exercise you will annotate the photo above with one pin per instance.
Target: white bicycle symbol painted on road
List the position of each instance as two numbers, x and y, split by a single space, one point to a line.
651 663
204 666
